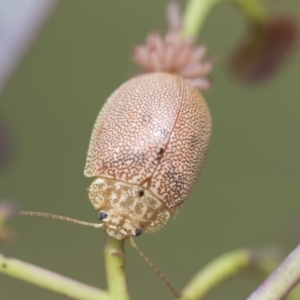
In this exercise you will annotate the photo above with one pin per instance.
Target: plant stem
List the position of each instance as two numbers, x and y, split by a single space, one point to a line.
49 280
227 266
195 14
197 11
282 281
115 264
253 9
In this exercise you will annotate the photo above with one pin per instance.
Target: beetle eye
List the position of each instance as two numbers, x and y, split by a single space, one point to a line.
102 215
138 231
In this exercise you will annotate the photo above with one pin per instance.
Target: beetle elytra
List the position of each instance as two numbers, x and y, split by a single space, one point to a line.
146 152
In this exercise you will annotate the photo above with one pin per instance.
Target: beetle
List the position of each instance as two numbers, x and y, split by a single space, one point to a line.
146 151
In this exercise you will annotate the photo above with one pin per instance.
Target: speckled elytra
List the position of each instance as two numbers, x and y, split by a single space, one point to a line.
146 152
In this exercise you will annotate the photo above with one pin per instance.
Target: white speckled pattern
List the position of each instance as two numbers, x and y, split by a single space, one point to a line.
153 132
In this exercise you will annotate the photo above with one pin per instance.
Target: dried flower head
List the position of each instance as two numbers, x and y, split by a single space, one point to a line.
264 49
175 53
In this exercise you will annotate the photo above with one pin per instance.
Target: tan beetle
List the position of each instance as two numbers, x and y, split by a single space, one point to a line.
147 149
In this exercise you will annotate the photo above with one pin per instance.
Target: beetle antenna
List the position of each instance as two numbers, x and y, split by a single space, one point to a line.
154 268
62 218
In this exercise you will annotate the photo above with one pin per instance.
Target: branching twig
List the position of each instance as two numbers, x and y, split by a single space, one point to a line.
216 272
227 266
282 281
49 280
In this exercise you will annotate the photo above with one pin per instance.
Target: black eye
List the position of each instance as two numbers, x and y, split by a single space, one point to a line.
138 231
102 215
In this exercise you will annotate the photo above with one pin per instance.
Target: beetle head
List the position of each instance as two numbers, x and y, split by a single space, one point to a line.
127 209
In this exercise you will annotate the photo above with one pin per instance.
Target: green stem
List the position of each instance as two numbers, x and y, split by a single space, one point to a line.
253 9
216 272
49 280
195 14
197 11
115 264
227 266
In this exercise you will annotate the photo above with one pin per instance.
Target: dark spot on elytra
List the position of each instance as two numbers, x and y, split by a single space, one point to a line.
141 193
161 151
4 265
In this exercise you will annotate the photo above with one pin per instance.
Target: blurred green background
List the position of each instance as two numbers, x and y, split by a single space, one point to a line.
249 191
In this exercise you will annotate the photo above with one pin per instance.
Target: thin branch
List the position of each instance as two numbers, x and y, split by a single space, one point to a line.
195 14
227 266
255 10
197 11
282 281
215 273
49 280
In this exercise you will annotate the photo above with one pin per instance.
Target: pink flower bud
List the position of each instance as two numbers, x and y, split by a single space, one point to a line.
175 54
